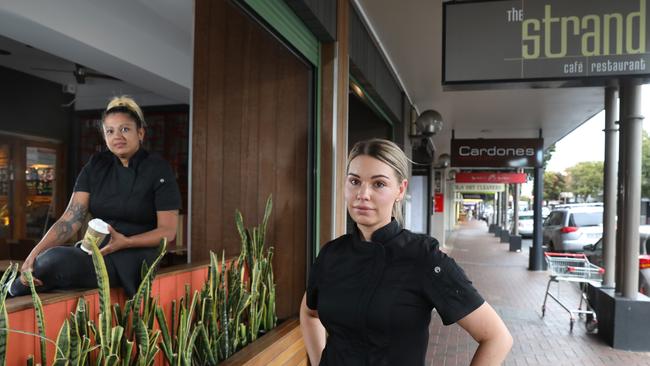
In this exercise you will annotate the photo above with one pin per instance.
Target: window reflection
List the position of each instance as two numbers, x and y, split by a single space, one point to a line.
5 221
39 179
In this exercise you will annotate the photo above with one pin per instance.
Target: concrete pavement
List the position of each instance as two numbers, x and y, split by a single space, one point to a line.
517 294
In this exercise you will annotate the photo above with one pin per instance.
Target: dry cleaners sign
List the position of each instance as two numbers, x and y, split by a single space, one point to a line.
480 187
519 40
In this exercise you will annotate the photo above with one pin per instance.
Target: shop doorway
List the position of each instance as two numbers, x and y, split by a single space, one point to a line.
31 192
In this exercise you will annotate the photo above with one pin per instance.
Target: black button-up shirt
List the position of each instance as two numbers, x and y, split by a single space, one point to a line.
128 199
375 298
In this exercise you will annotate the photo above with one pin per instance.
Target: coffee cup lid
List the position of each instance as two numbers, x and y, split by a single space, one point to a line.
98 225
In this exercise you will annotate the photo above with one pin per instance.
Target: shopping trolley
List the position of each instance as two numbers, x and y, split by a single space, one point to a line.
574 268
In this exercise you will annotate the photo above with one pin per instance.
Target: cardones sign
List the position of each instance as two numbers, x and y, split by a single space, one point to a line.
526 40
496 153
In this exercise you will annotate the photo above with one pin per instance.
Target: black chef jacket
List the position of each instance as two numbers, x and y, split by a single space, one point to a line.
128 199
375 298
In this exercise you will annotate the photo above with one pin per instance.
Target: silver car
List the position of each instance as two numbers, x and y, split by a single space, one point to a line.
570 228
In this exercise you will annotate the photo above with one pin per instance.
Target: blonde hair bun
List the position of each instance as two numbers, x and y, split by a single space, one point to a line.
124 101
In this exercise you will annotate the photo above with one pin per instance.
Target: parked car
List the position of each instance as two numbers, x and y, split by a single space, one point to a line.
569 228
594 253
525 226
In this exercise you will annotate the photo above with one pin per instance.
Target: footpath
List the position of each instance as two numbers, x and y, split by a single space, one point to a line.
517 294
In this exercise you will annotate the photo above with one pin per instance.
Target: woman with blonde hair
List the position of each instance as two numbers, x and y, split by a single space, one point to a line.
133 191
370 293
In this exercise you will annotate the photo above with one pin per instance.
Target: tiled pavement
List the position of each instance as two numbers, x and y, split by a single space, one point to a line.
517 295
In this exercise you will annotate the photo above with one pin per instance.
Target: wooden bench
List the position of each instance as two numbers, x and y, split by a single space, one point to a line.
282 346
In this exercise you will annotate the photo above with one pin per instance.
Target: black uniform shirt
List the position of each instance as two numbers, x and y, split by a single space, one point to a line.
375 298
128 199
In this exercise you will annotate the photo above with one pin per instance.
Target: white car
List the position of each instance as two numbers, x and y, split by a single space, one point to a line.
570 228
525 227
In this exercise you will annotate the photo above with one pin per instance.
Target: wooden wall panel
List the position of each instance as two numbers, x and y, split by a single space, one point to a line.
328 62
199 130
252 110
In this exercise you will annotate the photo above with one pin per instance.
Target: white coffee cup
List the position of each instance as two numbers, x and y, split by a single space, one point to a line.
95 234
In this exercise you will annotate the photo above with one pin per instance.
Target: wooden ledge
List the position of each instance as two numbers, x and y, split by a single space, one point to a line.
283 345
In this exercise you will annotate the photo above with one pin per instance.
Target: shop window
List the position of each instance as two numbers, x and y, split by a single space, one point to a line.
31 192
40 180
5 185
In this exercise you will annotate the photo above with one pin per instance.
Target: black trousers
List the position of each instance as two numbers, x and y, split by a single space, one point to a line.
64 267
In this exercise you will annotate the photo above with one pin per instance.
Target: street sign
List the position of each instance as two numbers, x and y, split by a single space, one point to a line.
491 177
496 153
480 187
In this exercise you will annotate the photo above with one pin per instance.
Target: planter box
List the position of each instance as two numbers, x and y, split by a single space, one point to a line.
168 285
281 346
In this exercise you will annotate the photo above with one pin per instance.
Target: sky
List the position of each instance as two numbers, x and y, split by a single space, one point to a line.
577 147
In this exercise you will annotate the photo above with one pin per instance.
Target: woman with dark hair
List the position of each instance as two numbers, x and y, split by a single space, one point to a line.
370 293
133 191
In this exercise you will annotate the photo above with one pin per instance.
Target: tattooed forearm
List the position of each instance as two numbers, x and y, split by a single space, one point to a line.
64 228
76 212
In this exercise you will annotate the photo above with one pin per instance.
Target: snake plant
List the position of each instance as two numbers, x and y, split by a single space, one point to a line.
40 317
235 306
261 312
7 279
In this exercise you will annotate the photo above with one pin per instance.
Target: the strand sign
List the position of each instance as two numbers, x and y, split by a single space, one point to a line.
516 40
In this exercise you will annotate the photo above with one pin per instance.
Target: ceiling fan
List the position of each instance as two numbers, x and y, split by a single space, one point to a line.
80 73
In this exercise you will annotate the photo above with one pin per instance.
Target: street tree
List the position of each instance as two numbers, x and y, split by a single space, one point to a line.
586 179
554 184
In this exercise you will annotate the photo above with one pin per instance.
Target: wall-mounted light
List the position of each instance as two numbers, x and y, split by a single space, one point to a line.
443 160
425 126
429 123
356 89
